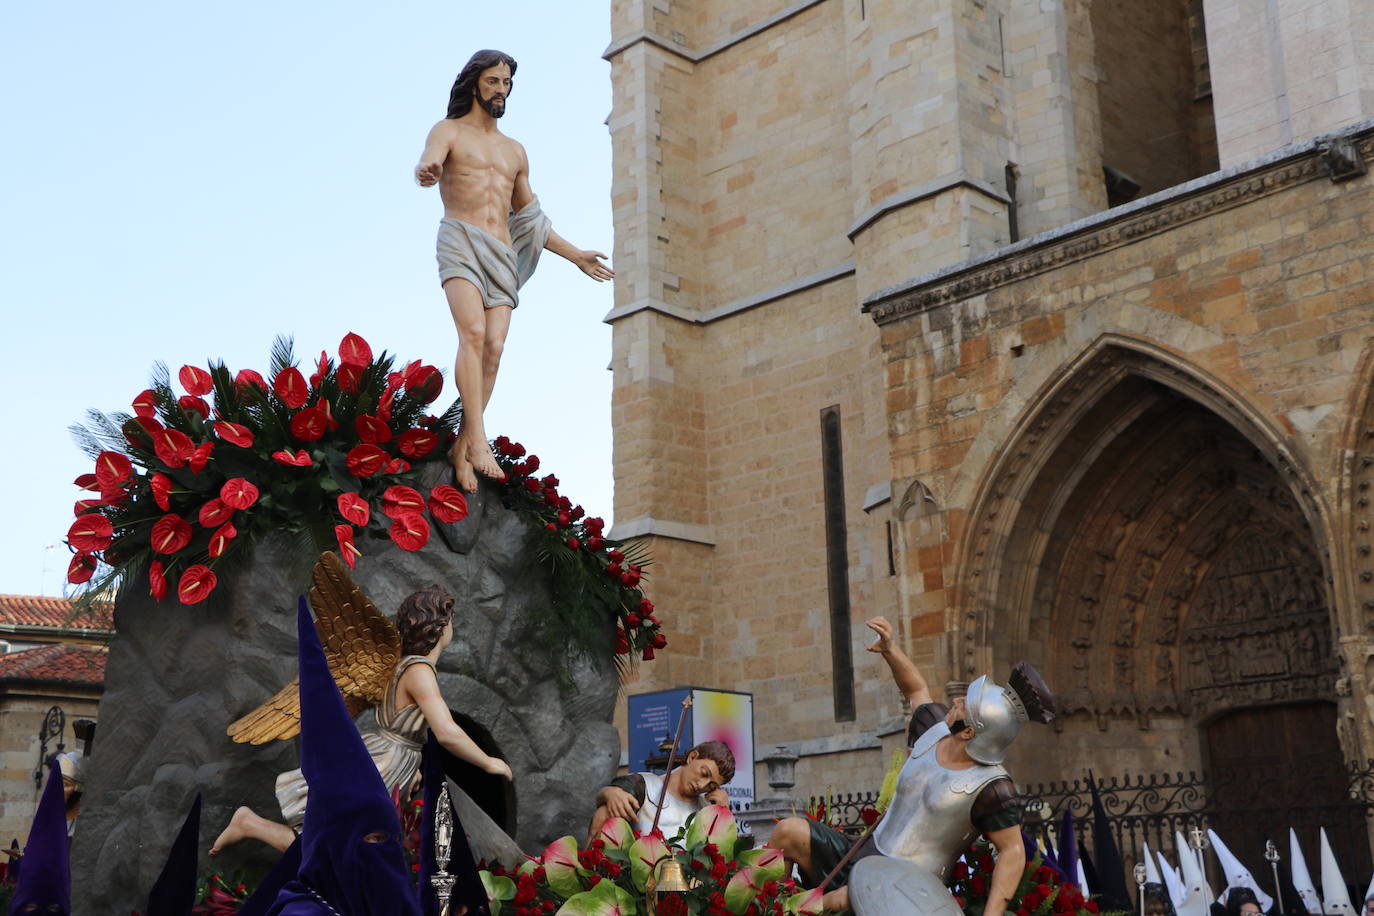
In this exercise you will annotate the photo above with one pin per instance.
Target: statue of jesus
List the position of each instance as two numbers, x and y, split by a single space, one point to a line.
489 240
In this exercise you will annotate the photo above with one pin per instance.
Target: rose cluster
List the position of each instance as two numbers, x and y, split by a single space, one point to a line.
1040 892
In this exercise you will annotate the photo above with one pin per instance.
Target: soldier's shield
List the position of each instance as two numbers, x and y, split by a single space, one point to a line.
880 886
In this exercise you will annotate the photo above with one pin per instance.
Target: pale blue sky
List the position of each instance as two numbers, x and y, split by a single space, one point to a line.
181 182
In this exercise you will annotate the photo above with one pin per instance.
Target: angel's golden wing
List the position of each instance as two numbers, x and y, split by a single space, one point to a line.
360 642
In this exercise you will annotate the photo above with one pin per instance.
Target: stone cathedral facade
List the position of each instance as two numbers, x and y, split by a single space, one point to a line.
1045 329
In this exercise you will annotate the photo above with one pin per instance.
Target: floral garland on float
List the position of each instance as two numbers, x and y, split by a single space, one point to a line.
1040 892
186 484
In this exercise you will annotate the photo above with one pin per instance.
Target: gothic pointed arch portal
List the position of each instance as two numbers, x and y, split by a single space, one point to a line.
1150 542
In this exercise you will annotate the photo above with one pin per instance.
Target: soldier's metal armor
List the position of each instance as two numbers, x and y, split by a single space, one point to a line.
928 823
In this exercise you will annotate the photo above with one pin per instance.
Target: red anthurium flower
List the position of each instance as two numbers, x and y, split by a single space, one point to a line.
196 584
299 460
238 493
344 535
328 414
161 485
170 533
409 368
157 580
417 443
365 460
350 378
309 425
398 501
424 383
354 508
447 504
195 380
90 533
150 426
199 456
397 466
289 385
118 496
247 378
145 405
192 404
410 532
88 482
354 351
81 568
234 433
173 447
219 541
215 513
86 505
395 379
323 364
371 429
384 404
112 469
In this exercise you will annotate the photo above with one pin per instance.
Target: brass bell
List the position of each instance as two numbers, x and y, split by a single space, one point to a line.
670 877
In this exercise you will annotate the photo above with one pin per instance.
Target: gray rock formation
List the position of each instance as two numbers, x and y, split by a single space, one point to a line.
178 675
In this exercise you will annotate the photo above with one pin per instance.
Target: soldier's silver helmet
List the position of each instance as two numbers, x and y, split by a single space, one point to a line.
995 712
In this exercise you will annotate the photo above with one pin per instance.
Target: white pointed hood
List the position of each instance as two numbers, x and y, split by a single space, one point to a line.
1197 896
1151 869
1236 874
1302 879
1334 894
1171 880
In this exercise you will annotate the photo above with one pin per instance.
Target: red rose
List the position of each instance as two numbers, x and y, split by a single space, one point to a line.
195 380
447 504
170 533
249 378
215 513
574 544
192 404
631 578
90 533
648 653
350 379
613 570
161 485
145 405
344 535
615 556
978 885
112 469
88 482
659 641
550 527
219 541
595 543
299 460
234 433
399 501
410 532
1091 906
199 456
354 508
81 568
371 429
354 351
309 425
365 460
532 463
532 485
622 645
196 584
564 520
173 447
632 620
417 443
238 493
157 580
290 386
425 383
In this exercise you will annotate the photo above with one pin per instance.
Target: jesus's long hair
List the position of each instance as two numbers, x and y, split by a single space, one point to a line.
460 99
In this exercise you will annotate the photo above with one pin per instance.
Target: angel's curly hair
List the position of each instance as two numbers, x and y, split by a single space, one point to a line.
421 618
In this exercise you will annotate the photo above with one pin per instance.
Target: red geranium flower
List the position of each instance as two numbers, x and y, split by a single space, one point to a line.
238 493
344 535
90 533
157 580
371 429
199 456
249 377
192 404
350 378
397 466
145 405
354 351
86 505
173 447
161 485
81 568
354 508
399 501
298 460
234 433
196 584
365 460
195 380
309 425
170 533
112 469
425 383
219 541
289 385
417 443
215 513
447 504
88 482
410 532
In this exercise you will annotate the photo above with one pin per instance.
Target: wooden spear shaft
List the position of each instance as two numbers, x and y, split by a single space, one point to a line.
850 854
672 752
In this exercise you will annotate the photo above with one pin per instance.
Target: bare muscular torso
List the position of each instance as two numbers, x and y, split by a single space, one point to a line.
482 176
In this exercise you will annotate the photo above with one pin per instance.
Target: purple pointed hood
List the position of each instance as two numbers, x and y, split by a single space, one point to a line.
45 879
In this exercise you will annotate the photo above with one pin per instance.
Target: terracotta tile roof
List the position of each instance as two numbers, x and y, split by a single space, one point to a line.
42 611
59 663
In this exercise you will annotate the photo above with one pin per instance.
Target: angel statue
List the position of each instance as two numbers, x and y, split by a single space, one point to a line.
375 662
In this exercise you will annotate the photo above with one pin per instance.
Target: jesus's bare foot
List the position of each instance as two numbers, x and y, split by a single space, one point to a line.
483 461
246 825
462 468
